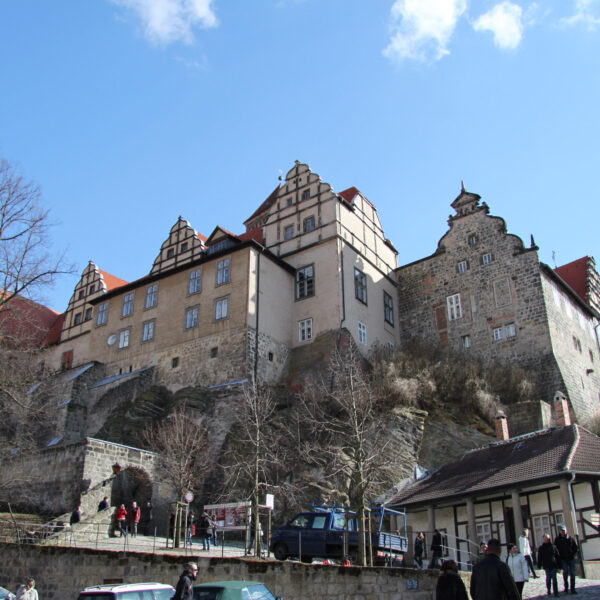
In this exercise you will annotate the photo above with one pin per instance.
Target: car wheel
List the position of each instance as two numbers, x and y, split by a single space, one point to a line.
280 551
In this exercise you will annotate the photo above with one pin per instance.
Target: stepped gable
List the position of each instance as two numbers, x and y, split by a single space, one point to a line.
258 217
540 455
183 245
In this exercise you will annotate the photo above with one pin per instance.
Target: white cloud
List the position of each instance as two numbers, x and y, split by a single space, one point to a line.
423 28
505 23
584 14
167 21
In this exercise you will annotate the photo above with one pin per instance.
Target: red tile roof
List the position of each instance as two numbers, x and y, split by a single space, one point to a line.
575 274
111 281
25 323
349 194
254 234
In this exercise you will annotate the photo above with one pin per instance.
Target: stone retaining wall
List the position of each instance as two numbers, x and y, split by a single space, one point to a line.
60 574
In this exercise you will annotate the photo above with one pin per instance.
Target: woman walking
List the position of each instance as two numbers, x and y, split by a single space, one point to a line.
518 567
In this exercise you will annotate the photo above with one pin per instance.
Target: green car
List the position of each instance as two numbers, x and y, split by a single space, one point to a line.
233 590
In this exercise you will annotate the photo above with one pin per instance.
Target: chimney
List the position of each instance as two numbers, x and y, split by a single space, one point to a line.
561 410
501 426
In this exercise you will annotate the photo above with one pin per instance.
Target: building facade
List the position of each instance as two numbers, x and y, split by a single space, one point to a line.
484 293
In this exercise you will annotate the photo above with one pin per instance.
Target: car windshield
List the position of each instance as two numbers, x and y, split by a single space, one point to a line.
257 592
163 594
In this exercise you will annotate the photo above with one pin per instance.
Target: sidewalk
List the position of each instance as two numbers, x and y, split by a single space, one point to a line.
587 589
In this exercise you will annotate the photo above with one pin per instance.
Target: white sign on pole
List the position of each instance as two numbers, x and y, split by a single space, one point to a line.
270 501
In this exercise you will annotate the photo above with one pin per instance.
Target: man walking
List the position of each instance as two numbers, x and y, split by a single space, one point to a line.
436 549
491 578
549 559
567 549
525 550
184 589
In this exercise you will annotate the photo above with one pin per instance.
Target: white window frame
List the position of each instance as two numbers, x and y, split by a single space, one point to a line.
222 308
148 331
309 224
128 304
362 333
487 258
223 270
466 341
498 334
195 283
463 266
124 336
510 330
305 329
102 317
454 307
191 317
152 296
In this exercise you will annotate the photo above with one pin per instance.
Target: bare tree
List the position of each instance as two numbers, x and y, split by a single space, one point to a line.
185 454
344 434
25 261
254 462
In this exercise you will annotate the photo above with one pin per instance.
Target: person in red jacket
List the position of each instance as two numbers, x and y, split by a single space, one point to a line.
135 514
121 519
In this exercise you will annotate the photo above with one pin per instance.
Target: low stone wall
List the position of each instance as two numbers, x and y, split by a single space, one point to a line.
60 574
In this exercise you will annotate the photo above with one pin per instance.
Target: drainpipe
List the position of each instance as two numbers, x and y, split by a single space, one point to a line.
337 344
257 315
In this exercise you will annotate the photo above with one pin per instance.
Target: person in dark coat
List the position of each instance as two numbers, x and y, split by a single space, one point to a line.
549 560
567 548
419 547
75 516
185 589
436 549
449 585
491 578
146 517
104 505
204 525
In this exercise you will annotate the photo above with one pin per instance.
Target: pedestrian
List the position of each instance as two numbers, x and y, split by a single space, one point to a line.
436 549
567 548
525 549
518 567
135 515
146 517
549 560
121 520
27 591
203 530
450 585
191 526
491 578
75 516
104 505
418 549
184 589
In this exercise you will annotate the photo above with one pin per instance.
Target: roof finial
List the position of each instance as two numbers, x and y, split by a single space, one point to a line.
462 186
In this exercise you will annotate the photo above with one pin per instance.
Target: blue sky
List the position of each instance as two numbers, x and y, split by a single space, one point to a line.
129 113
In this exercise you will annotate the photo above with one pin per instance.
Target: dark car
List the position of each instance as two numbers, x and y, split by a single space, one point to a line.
233 590
6 595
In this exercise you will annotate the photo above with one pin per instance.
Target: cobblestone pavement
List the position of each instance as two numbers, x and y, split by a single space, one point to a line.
587 589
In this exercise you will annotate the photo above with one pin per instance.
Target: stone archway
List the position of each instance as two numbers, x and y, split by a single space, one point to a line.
132 483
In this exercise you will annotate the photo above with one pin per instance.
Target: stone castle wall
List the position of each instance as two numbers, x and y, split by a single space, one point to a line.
63 572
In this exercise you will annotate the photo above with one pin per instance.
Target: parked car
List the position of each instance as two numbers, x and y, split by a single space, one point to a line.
6 595
233 590
128 591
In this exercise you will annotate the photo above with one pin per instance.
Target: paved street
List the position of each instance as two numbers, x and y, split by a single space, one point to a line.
587 589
